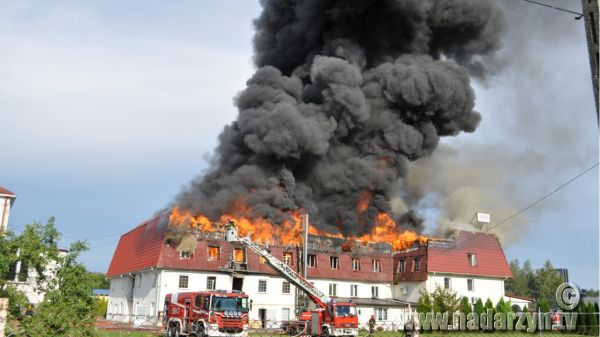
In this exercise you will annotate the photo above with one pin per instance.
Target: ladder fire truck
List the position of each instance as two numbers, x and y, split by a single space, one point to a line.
330 318
207 314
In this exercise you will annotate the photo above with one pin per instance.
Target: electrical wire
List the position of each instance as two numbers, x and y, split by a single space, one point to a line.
522 210
557 8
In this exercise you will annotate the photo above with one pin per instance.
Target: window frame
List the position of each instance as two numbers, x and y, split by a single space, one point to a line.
312 257
374 291
355 264
472 283
472 258
214 284
209 255
334 262
447 280
417 263
332 289
187 281
376 266
284 285
260 282
354 290
288 258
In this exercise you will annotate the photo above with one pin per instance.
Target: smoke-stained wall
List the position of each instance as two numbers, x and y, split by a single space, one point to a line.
345 95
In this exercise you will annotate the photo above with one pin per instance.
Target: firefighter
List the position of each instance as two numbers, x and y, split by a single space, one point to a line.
372 325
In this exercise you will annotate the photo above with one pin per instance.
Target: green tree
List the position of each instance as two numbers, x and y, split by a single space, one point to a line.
69 309
479 308
547 280
444 300
592 320
33 249
503 306
465 306
424 303
99 280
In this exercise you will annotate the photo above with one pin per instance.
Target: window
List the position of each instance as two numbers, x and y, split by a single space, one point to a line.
183 281
262 286
285 314
23 271
238 255
402 266
356 264
211 283
354 290
470 284
374 292
198 301
376 266
185 255
138 280
416 264
262 259
214 253
472 259
287 258
311 261
285 287
381 314
332 289
447 283
334 262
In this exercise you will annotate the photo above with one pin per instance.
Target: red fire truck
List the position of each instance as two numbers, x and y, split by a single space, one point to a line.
206 314
329 318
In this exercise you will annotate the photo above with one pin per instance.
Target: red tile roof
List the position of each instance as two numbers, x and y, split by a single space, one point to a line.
140 248
4 191
453 258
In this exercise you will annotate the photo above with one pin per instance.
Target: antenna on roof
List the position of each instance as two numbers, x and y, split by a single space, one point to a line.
481 220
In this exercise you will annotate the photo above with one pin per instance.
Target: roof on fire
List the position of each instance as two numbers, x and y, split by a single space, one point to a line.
144 247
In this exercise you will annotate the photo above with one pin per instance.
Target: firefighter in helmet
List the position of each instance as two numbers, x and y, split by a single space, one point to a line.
372 325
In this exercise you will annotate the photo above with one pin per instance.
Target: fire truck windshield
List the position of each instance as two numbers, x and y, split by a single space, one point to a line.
345 310
223 303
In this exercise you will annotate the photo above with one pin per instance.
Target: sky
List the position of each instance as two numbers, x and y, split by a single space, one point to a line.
108 109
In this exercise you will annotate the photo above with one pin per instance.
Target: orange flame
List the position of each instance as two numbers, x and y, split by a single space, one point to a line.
263 231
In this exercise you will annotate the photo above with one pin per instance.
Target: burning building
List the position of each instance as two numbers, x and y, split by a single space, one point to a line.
382 280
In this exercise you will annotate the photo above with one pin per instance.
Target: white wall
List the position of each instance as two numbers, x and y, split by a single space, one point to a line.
343 288
4 212
484 287
411 291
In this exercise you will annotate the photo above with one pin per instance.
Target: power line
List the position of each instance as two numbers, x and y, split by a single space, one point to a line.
553 6
526 207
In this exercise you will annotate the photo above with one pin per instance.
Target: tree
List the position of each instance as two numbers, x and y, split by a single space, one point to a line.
592 320
503 306
547 280
424 303
98 280
444 300
69 309
465 306
34 248
479 308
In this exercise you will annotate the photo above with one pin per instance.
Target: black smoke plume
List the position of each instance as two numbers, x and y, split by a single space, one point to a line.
346 94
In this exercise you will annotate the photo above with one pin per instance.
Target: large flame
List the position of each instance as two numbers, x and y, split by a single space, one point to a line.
262 230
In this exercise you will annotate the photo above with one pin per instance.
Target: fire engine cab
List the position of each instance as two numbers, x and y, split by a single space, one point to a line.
206 314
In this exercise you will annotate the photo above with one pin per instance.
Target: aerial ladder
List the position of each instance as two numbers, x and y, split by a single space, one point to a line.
330 318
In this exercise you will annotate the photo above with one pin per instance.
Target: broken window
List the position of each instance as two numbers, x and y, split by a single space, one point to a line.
287 258
376 266
334 262
472 259
185 255
214 253
238 255
311 261
402 266
356 264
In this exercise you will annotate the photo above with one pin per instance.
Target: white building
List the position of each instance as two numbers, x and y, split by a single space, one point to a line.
7 199
145 268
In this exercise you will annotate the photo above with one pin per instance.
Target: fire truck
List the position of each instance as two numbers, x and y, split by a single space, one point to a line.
329 318
206 314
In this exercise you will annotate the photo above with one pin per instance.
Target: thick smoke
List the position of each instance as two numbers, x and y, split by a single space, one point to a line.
346 94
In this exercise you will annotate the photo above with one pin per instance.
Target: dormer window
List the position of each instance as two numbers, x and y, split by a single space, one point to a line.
472 259
184 255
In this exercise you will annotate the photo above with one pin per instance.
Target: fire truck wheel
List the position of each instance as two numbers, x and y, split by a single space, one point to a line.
325 332
173 330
